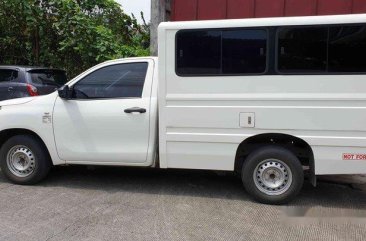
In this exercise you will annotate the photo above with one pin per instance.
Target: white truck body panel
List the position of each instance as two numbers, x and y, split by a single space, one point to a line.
200 125
31 113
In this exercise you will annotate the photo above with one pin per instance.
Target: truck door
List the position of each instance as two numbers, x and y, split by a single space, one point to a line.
107 119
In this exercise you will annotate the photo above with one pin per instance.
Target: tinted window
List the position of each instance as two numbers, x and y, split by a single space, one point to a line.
244 51
199 52
8 75
221 52
48 77
115 81
347 49
302 49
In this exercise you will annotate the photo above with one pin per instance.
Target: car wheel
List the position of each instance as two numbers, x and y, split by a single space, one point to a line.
24 160
272 175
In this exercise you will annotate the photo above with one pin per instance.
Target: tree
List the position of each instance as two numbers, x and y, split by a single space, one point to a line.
69 34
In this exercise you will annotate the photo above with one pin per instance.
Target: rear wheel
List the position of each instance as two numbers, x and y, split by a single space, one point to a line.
272 175
24 159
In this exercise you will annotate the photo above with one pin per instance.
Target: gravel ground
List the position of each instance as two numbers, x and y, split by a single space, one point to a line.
79 203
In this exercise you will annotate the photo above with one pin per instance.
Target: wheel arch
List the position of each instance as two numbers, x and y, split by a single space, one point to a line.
299 147
8 133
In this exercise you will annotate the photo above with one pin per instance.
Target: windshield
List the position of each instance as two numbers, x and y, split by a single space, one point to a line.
48 77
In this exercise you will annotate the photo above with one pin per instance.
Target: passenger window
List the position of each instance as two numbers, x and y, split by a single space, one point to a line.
199 52
221 52
7 75
302 50
244 51
347 49
115 81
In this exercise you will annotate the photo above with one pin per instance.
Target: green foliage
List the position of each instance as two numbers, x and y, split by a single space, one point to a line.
69 34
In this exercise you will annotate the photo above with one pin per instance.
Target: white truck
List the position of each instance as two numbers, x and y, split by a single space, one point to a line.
266 98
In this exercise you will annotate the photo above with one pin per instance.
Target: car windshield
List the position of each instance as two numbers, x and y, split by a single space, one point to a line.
48 77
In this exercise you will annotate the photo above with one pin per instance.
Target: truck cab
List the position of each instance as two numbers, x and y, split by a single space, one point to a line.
105 116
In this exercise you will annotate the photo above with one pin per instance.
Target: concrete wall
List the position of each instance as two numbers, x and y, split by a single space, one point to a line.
160 12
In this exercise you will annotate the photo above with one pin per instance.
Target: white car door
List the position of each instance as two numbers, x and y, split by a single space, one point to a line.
107 119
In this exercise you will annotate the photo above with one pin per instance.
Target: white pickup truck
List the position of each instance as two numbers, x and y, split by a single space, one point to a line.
266 98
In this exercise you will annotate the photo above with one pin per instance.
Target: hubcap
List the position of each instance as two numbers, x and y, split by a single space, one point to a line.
272 177
21 161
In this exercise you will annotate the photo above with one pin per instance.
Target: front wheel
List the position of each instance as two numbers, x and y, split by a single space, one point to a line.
24 160
272 175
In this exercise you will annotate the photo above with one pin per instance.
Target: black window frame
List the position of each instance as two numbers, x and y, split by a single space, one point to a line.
326 72
112 98
267 69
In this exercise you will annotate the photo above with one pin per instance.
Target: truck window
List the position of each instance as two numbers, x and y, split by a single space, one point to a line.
221 52
326 49
114 81
302 50
199 52
347 49
244 51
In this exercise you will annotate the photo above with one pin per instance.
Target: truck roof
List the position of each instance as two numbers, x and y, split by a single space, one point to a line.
134 58
257 22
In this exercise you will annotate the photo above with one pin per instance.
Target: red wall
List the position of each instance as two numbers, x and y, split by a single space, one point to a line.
230 9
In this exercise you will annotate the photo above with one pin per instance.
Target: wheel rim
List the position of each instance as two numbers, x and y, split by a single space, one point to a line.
272 177
21 161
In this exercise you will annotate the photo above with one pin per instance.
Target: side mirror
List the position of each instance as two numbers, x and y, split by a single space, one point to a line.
65 92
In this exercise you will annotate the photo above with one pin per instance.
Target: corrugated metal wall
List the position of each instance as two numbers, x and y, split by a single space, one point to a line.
230 9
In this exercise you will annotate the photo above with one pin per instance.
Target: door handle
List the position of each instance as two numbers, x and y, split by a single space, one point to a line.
135 109
10 89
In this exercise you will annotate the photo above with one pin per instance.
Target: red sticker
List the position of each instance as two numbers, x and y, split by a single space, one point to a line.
352 156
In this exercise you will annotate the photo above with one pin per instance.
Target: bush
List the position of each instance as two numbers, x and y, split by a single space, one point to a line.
69 34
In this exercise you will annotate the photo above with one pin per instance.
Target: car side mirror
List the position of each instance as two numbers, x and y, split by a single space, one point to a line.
65 92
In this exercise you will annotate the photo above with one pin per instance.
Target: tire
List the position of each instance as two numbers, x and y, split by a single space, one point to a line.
24 160
272 175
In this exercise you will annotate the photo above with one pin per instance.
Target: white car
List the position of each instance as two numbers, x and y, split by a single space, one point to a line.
266 98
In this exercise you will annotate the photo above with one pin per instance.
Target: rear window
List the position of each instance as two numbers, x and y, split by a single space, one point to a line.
7 75
48 77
